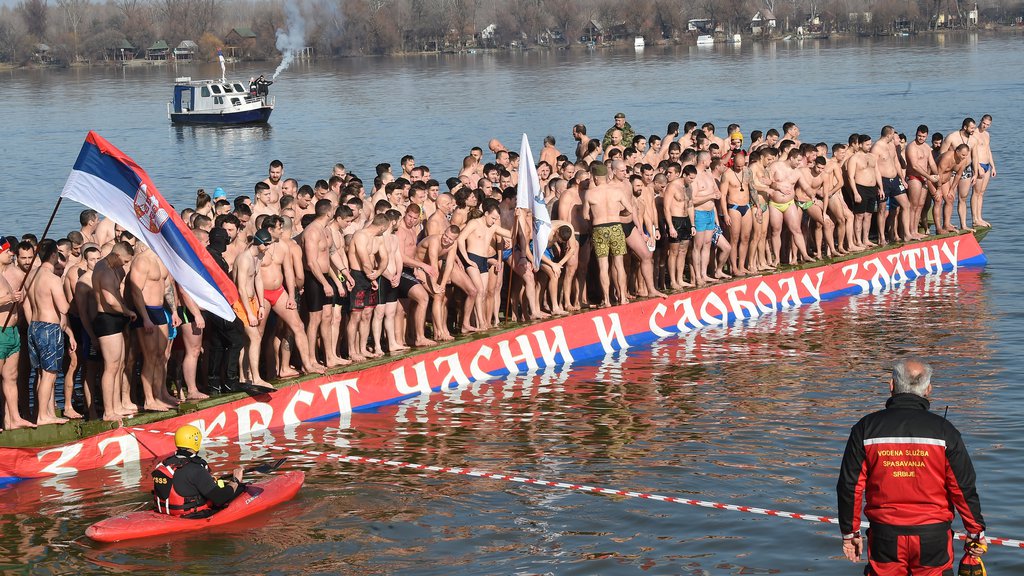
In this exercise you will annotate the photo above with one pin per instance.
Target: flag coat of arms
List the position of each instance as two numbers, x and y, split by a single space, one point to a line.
108 181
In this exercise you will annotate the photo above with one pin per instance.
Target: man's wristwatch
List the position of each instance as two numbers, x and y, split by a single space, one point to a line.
851 536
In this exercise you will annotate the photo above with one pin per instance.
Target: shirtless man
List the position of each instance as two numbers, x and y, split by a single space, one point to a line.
635 226
47 329
439 251
82 310
321 291
274 174
782 205
112 317
152 291
250 306
987 165
966 135
603 206
386 310
615 143
570 209
303 205
90 220
579 133
863 175
549 153
368 259
263 205
811 197
474 245
277 274
236 237
678 212
761 184
735 204
704 194
951 166
897 204
922 177
410 288
290 240
10 341
836 207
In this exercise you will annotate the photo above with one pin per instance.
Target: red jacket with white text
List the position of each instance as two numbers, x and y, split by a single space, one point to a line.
907 467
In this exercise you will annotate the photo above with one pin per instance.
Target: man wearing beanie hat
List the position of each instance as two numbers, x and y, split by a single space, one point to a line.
226 338
250 306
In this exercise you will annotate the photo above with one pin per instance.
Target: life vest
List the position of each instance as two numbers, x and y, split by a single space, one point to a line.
166 497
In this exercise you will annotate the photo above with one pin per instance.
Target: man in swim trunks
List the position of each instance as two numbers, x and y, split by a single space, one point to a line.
473 244
250 306
897 204
152 291
112 318
46 337
639 241
570 209
760 183
965 136
922 177
678 210
783 209
735 205
278 275
410 288
810 196
384 313
862 173
987 165
438 250
836 206
10 340
603 205
705 194
951 166
369 258
320 288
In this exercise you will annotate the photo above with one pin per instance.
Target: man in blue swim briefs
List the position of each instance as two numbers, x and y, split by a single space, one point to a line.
149 285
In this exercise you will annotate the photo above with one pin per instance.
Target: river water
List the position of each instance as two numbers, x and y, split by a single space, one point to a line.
754 414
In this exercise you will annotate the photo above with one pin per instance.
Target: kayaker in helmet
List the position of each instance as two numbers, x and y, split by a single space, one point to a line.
183 485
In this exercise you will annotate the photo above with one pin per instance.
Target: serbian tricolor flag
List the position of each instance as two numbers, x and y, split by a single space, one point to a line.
108 181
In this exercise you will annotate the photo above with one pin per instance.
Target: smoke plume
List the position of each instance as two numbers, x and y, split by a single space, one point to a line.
292 39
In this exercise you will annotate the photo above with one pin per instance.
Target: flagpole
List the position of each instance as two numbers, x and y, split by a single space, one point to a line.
511 272
52 216
49 223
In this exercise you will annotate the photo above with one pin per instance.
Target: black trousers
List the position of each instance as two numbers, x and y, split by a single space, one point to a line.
225 342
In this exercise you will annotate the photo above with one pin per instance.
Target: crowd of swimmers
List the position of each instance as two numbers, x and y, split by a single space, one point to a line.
339 270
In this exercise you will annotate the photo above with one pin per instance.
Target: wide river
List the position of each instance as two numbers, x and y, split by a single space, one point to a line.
754 414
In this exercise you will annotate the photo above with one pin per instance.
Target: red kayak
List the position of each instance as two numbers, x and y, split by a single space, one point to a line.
256 498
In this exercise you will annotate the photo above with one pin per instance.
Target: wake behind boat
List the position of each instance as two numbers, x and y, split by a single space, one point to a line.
219 102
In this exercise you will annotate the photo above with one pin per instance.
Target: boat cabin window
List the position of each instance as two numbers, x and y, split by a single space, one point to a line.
205 92
218 100
236 102
215 88
227 89
238 88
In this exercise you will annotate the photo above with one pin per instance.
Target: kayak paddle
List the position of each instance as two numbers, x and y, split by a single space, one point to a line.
266 468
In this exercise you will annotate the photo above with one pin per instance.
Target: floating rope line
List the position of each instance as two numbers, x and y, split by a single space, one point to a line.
992 540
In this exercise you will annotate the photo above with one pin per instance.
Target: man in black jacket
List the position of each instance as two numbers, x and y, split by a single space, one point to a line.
183 485
908 468
225 338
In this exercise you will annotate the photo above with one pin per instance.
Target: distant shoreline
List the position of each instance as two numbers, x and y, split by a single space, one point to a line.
994 30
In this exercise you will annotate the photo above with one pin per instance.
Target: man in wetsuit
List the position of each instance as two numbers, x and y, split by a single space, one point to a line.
908 468
183 485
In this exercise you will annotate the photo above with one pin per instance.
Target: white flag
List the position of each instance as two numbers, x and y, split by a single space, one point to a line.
531 197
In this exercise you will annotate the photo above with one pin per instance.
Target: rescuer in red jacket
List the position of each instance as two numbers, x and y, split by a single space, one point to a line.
908 468
183 485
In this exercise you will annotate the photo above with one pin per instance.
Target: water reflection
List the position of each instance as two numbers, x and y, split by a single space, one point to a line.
221 138
754 413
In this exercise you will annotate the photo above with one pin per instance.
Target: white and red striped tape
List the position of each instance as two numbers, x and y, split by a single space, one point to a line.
1009 542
